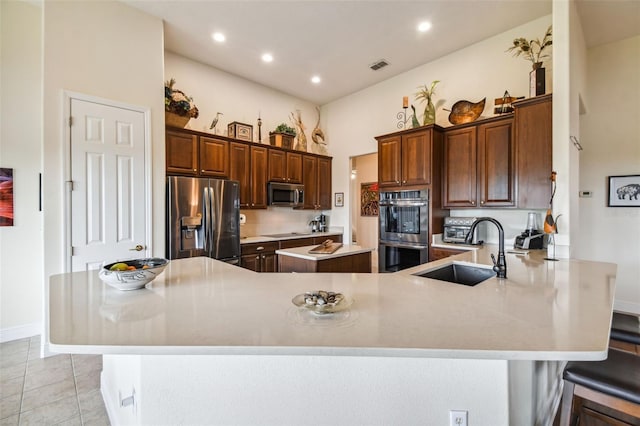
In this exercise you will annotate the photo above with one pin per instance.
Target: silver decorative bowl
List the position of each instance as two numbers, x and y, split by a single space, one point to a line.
146 270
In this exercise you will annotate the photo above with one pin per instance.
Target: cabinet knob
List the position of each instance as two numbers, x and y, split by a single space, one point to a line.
257 257
481 201
260 248
473 203
195 170
202 171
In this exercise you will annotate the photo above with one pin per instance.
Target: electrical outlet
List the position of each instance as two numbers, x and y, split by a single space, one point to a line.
458 418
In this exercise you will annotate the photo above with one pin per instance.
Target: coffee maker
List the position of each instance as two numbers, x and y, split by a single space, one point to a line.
531 238
323 223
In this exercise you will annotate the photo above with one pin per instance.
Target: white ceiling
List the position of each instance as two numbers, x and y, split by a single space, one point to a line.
339 40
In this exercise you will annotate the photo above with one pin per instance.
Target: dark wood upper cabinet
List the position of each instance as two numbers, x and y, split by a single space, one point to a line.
239 164
405 158
310 180
324 183
479 164
285 166
533 131
258 171
181 153
214 157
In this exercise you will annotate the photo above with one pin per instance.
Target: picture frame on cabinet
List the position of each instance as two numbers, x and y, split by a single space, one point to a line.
339 201
624 191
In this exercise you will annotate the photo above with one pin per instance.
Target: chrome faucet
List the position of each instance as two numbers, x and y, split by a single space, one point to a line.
499 266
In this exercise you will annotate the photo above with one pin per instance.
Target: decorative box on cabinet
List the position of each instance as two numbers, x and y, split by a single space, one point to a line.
533 132
479 164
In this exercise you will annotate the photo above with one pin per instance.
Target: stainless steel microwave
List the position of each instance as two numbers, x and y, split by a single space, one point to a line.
285 194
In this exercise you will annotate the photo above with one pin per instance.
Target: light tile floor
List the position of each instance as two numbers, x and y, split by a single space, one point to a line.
58 390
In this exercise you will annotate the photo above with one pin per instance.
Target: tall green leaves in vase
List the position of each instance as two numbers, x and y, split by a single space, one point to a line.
426 94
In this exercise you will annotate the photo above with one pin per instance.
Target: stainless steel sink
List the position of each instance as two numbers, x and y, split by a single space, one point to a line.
459 273
287 234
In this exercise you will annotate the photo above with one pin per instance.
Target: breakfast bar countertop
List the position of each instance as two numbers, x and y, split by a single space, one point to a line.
542 311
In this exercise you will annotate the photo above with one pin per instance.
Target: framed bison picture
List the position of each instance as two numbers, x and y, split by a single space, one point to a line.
624 191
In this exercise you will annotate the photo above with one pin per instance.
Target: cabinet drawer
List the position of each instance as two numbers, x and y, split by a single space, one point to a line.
255 248
298 242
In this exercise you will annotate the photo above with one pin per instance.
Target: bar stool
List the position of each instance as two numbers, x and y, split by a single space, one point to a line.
613 383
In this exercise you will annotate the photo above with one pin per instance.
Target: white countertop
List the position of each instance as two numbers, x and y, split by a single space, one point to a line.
542 311
303 252
296 236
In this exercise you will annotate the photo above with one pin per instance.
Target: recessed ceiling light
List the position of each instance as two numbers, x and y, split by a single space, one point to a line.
219 37
267 57
424 26
315 79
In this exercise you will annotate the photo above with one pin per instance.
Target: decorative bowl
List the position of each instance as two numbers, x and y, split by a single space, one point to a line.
146 270
322 302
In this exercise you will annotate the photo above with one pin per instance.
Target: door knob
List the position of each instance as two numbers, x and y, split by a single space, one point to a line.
137 248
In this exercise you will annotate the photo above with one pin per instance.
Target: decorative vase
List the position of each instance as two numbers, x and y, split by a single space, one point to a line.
537 80
175 120
429 113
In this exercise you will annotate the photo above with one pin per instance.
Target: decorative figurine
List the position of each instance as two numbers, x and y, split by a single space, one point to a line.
429 109
318 147
215 122
301 141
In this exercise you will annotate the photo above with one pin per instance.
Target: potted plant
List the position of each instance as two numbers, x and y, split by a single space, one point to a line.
427 95
282 136
534 51
178 107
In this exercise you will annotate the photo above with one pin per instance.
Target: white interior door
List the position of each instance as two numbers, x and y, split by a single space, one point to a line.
108 194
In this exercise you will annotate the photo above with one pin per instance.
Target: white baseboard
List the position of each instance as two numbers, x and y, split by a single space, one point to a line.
20 332
624 306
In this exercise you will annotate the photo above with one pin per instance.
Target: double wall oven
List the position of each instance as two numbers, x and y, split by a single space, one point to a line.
404 229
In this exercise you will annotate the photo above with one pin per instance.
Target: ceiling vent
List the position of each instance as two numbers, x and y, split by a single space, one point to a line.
379 64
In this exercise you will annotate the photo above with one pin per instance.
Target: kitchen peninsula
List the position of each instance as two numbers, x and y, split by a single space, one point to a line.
347 258
236 350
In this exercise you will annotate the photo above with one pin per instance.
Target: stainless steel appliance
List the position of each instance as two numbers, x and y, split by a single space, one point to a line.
203 218
404 229
531 238
456 229
285 194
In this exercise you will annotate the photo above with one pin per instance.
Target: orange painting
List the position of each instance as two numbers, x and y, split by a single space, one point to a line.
6 197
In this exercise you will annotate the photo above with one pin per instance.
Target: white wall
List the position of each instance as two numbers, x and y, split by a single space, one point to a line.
610 135
366 226
21 246
108 50
478 71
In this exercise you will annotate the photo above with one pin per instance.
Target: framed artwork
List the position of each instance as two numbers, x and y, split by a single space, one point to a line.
369 199
624 191
6 197
339 199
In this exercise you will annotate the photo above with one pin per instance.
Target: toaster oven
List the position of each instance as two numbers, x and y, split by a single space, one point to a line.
456 229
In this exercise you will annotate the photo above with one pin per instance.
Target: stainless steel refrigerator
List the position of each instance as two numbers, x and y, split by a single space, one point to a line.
203 218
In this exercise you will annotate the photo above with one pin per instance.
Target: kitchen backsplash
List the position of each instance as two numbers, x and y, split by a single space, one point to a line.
276 220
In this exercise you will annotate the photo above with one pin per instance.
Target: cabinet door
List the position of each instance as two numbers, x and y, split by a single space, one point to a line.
416 158
495 164
277 165
310 181
294 167
239 164
250 261
389 161
324 184
258 172
214 157
269 262
460 168
182 153
533 122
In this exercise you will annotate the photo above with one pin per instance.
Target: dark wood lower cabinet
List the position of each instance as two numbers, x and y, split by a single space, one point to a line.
438 253
259 257
360 262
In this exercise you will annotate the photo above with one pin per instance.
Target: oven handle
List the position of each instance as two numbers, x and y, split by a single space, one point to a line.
400 245
406 203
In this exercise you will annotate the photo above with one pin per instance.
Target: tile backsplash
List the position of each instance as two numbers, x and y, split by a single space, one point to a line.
277 220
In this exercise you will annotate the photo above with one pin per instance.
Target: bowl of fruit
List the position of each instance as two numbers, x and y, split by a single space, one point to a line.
132 274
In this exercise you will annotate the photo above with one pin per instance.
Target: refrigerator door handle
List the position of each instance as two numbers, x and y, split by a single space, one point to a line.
206 201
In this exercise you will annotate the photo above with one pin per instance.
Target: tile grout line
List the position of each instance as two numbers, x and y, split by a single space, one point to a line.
75 386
